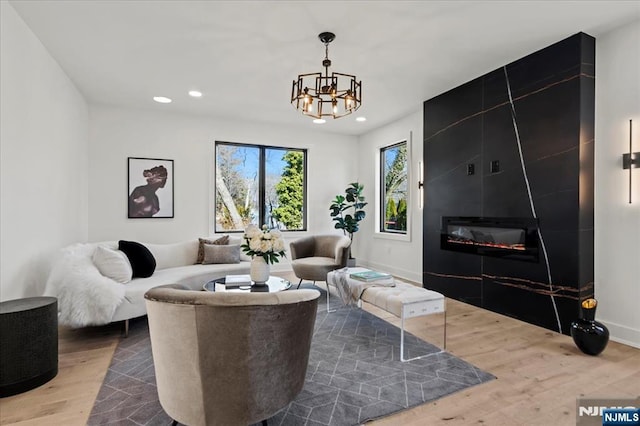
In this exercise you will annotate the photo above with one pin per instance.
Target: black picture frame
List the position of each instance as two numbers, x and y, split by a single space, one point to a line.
150 188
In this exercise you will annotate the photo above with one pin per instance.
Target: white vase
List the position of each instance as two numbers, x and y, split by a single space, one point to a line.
259 270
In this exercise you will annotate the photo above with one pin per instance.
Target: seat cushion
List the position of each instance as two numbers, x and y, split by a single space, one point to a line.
314 268
193 277
391 299
172 255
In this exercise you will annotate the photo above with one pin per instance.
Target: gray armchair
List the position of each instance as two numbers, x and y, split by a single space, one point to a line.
313 257
229 358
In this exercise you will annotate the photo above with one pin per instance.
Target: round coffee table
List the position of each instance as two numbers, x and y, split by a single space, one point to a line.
273 285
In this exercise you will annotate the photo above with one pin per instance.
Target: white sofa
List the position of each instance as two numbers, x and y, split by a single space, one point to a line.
86 297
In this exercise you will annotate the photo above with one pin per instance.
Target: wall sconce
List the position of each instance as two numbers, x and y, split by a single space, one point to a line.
421 183
631 160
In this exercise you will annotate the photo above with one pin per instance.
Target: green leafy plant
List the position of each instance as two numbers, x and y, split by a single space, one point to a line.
347 210
391 214
402 215
289 191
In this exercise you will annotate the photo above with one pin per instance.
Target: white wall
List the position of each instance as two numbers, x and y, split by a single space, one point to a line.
43 151
617 249
117 133
371 248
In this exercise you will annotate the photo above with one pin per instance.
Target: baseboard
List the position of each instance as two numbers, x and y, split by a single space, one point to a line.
398 272
623 334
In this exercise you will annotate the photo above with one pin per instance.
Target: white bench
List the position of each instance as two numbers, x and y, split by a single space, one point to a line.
403 300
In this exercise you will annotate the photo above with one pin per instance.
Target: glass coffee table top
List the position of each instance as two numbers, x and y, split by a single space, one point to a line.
273 284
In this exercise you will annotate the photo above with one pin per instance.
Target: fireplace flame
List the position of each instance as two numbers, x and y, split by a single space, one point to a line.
518 246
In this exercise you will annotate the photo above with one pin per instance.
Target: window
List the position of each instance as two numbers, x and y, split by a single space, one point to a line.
393 188
259 185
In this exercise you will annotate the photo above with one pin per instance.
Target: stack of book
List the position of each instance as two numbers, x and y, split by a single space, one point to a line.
236 281
369 276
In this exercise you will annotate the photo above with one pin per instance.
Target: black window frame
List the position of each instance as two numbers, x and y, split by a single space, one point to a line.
383 205
261 184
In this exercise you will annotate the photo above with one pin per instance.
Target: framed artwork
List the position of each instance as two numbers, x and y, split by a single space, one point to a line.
150 188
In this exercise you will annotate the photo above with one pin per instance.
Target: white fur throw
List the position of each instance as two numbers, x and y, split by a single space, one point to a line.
85 297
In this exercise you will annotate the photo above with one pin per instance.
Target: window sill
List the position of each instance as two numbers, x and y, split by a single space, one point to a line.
285 234
394 237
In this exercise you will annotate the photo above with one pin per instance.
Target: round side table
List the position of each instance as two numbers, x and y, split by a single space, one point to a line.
29 349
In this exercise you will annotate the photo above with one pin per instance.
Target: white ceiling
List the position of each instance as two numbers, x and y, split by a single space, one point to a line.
244 55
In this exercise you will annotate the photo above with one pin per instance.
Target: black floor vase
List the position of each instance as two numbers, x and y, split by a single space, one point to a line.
589 335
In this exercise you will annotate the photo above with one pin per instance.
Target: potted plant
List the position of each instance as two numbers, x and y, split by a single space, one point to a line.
347 211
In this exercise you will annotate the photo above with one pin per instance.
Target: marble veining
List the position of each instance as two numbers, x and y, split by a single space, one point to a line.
543 288
555 154
454 168
463 277
517 98
531 203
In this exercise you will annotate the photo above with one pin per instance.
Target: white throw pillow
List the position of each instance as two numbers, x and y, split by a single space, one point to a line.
113 264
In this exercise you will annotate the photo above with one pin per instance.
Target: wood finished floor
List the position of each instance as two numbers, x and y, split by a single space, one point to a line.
539 373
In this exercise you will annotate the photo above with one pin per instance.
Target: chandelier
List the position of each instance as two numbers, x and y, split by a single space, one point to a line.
319 95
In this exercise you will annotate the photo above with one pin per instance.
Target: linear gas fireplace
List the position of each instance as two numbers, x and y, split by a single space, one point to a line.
509 238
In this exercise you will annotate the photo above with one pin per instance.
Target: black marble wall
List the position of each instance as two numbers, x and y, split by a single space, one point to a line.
536 117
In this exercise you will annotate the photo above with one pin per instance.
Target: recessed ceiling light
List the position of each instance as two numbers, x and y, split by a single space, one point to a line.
319 121
361 119
162 99
195 94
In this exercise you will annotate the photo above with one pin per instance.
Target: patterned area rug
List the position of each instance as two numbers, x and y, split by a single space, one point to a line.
354 375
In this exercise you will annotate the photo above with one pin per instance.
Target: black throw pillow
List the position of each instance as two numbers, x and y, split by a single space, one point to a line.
142 261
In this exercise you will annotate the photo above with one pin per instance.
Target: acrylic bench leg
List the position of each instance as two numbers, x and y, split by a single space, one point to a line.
402 358
445 330
328 310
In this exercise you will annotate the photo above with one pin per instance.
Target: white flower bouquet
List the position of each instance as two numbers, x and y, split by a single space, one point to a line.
265 242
